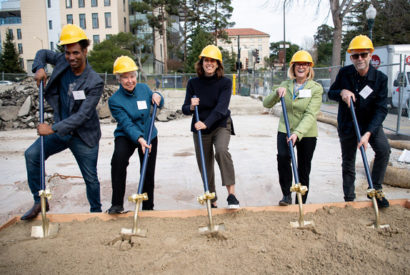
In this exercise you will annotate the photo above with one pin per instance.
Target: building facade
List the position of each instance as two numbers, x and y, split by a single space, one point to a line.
249 41
37 24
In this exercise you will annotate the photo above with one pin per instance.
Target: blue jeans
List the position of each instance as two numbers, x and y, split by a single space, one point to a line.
380 146
85 156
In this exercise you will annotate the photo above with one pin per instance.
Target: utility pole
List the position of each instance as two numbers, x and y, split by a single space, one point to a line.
284 40
239 67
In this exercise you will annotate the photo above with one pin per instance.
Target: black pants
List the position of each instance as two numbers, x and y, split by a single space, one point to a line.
305 149
124 148
380 146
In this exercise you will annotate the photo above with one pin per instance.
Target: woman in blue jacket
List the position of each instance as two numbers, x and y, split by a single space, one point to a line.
130 106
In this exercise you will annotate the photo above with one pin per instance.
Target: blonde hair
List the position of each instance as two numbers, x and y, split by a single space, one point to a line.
291 72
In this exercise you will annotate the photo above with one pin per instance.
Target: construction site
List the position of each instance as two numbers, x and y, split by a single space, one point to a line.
257 238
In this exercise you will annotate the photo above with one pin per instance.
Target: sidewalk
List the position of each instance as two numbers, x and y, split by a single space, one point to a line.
178 181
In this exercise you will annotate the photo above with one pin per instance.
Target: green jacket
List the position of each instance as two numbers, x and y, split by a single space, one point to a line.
302 112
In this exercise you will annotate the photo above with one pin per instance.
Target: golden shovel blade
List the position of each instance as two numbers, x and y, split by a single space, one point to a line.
303 224
128 232
205 230
44 231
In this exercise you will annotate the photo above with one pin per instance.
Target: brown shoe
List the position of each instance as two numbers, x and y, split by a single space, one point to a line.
34 211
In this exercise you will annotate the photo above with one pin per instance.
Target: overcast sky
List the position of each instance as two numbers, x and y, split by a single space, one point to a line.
301 20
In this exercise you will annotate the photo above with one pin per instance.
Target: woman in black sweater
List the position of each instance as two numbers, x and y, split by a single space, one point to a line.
213 93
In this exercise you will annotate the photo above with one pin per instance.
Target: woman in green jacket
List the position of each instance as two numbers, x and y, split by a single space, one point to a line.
303 98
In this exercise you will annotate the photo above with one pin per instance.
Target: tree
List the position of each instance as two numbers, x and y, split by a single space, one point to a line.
9 59
221 12
324 44
103 55
200 39
229 61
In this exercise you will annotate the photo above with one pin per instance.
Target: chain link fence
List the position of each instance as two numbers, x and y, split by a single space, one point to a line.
262 83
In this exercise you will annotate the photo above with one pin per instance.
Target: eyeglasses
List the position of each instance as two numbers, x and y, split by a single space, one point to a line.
302 64
362 55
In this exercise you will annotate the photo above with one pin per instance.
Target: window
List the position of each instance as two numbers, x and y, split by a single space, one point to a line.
49 3
20 47
94 3
96 39
69 19
95 20
107 3
107 20
125 24
21 61
11 34
52 46
18 34
108 36
50 24
82 21
123 5
68 4
81 3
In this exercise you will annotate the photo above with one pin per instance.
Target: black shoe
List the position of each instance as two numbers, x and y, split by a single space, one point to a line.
34 211
286 200
382 202
233 203
214 205
116 209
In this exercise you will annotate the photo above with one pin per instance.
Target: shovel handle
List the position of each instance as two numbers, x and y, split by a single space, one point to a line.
292 152
145 161
201 149
362 151
41 118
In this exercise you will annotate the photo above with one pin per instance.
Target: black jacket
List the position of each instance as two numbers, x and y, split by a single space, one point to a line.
371 111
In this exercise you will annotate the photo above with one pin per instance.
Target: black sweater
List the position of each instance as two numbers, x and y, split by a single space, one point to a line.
214 96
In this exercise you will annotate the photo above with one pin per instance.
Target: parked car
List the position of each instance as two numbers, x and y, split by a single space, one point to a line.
5 82
325 82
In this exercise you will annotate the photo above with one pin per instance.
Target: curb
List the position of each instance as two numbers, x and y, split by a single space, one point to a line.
308 208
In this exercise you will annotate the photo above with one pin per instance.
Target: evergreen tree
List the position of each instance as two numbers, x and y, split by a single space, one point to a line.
324 44
9 59
103 55
200 39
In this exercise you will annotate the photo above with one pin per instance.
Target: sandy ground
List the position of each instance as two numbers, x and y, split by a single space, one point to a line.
178 181
253 243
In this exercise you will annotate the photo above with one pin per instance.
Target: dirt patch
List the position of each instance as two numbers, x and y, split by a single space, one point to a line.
254 243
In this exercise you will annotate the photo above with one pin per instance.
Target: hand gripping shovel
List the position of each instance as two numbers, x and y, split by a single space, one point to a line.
371 192
46 229
206 197
138 198
296 187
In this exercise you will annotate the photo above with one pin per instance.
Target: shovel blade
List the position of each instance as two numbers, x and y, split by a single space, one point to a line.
373 226
208 230
305 224
127 232
38 231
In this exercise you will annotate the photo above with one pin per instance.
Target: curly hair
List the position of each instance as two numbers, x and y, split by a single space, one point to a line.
200 70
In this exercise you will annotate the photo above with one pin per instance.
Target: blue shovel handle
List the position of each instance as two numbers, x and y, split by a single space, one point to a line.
358 135
41 117
145 161
292 152
201 149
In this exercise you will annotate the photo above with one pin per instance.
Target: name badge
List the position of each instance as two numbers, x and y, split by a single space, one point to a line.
365 92
79 95
305 93
142 104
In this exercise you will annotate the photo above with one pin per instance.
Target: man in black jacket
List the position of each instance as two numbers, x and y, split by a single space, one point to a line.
73 91
368 89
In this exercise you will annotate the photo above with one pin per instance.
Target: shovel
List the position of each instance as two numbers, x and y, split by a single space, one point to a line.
371 192
46 229
296 187
207 196
126 233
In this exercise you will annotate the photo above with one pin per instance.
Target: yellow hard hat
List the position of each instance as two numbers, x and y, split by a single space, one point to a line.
302 56
124 64
211 51
360 42
71 34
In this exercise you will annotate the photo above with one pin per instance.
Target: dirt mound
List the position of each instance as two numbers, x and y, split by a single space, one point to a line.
254 243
